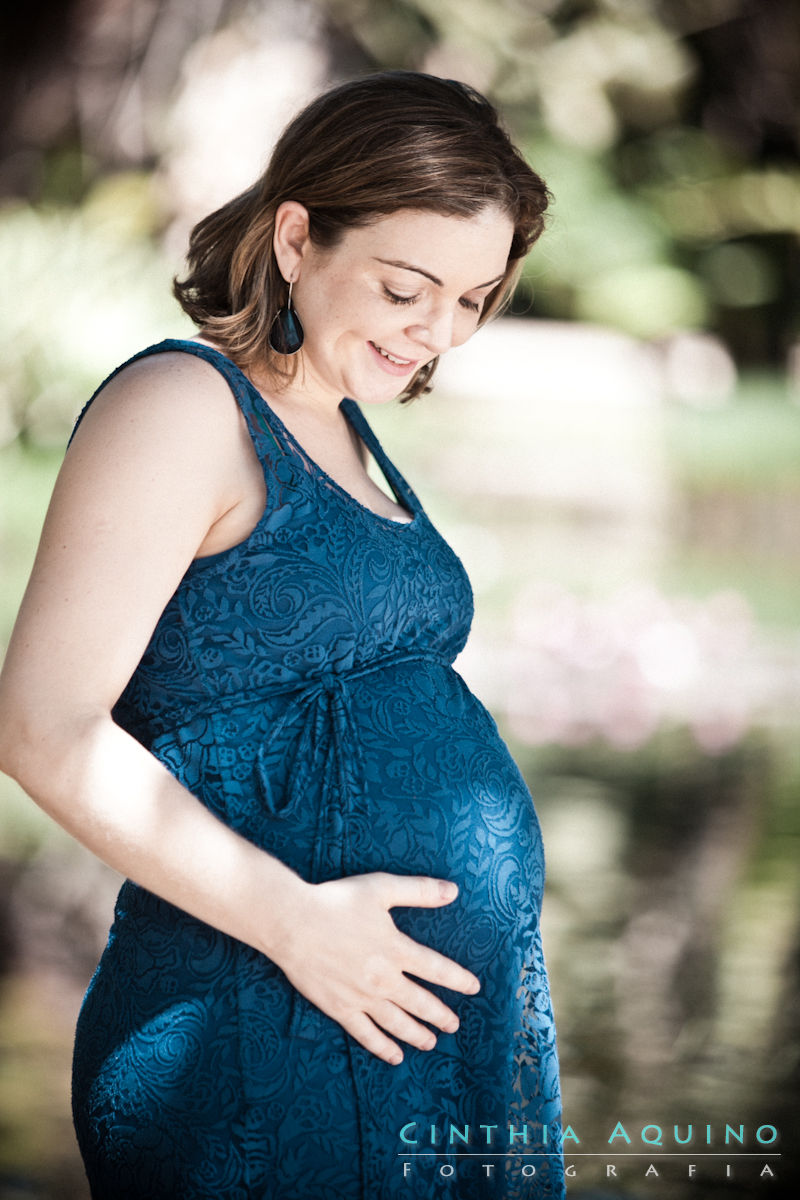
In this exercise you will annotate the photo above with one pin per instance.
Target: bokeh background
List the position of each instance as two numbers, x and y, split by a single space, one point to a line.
617 461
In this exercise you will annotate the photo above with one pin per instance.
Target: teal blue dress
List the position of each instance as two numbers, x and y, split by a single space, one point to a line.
301 686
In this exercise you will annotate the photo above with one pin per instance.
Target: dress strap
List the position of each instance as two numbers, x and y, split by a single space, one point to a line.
254 409
401 487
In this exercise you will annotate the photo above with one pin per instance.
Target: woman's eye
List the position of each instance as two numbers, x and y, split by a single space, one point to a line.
472 305
395 299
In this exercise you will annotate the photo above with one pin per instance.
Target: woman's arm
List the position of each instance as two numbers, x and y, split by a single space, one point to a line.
154 472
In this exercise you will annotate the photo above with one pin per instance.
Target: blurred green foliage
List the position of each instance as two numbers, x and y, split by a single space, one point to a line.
754 447
669 134
87 287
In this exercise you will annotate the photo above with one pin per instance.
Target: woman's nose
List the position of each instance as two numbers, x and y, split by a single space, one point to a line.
436 334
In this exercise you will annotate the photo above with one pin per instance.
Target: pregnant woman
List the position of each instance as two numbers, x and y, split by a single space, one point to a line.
231 678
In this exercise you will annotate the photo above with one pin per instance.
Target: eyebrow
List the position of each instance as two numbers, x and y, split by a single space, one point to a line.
404 266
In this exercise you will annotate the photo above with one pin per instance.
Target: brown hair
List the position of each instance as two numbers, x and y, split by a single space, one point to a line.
365 149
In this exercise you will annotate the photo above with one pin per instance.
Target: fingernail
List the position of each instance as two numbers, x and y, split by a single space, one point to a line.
448 891
396 1059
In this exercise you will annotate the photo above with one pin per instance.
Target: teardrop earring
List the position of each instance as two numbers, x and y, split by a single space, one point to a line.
286 332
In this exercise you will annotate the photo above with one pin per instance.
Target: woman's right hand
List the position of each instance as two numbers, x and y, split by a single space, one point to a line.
345 954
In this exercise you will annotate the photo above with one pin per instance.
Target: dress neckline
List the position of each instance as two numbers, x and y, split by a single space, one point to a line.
358 423
351 413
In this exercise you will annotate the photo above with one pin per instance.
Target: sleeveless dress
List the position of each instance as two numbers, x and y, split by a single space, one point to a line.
300 685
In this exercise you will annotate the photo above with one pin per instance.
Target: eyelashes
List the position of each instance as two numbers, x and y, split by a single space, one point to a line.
395 299
471 305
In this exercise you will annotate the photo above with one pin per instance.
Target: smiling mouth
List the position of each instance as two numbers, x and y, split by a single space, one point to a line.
393 358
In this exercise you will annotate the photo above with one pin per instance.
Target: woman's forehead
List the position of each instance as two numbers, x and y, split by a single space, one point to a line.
437 244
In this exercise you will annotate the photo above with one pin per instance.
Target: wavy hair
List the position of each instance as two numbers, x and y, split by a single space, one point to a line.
363 150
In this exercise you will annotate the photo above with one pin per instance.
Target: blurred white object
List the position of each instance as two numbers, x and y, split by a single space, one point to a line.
568 413
698 369
240 87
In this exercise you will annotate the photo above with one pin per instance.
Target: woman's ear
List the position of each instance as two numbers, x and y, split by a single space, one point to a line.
291 238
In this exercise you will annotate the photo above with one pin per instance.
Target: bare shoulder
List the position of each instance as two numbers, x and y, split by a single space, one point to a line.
172 390
172 418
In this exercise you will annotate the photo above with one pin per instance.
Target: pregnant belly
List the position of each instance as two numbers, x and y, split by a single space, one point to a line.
399 770
442 796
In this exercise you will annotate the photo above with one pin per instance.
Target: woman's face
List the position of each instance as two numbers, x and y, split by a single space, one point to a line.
393 295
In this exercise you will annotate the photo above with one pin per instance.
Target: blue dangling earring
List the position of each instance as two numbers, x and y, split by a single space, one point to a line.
286 332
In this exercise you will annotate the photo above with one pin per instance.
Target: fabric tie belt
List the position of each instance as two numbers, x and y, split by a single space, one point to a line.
325 775
326 770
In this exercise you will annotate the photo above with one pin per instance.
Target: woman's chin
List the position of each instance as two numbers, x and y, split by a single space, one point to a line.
377 391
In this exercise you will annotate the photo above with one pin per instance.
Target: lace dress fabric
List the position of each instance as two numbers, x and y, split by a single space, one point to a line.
301 686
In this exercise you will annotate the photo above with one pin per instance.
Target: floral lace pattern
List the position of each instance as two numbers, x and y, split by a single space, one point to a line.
301 686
